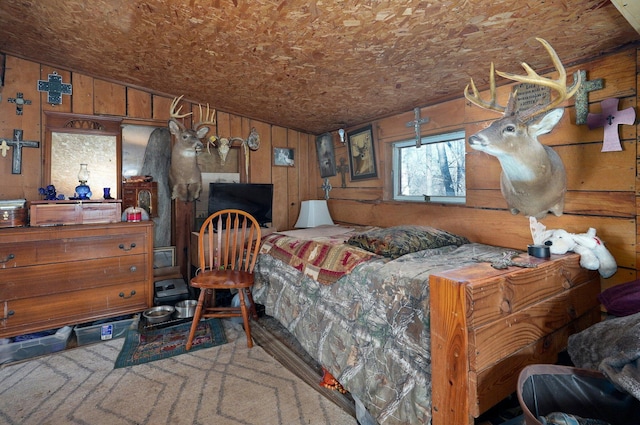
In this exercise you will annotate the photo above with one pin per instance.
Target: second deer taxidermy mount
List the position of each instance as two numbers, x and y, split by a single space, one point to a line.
533 179
185 177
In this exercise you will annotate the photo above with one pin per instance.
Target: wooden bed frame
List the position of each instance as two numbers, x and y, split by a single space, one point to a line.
487 324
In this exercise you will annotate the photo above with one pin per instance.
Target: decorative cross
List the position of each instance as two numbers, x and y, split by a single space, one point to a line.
582 95
610 118
17 143
20 101
4 147
343 169
326 186
416 124
55 88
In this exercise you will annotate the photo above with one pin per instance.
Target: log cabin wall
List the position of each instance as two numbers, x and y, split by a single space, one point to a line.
93 96
602 186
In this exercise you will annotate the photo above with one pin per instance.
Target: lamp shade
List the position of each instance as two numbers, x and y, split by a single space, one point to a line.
314 213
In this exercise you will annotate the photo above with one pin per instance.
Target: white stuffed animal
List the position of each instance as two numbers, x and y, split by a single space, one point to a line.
593 254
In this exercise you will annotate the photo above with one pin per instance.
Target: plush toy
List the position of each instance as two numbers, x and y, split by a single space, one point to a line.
593 254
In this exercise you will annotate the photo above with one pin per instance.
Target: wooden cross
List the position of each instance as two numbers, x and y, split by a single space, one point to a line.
610 118
582 95
326 186
416 124
17 143
343 169
55 88
20 101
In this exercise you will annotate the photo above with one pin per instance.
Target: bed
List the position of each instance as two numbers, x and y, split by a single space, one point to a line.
418 324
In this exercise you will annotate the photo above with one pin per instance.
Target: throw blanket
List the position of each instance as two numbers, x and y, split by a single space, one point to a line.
612 347
324 260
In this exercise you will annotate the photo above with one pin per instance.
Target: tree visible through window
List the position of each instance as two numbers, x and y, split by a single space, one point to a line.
433 172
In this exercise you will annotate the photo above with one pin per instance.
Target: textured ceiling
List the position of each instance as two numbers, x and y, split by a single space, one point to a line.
311 65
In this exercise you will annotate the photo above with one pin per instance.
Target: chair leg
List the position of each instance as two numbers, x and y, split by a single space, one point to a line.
245 319
196 318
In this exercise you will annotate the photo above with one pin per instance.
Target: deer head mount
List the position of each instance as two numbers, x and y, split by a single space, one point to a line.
533 179
185 176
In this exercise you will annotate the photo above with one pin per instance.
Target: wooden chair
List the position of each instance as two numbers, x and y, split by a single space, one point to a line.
233 241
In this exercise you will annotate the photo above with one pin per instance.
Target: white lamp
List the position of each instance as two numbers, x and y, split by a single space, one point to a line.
314 213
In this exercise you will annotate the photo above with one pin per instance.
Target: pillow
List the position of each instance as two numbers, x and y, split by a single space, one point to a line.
394 242
623 299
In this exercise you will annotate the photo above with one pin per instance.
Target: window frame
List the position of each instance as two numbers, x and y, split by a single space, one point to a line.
396 167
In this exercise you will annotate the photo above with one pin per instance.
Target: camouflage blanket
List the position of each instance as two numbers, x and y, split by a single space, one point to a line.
370 328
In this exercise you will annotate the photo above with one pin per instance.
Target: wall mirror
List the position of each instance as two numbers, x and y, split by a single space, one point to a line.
71 140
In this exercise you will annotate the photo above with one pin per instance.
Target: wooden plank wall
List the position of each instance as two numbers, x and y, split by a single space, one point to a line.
602 187
137 105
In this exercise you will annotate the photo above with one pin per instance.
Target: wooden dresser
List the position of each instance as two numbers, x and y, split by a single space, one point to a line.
63 275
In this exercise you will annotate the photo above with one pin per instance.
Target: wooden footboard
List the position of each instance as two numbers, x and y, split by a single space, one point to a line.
487 324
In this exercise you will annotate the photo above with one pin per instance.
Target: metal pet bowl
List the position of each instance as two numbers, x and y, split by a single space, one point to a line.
158 314
186 309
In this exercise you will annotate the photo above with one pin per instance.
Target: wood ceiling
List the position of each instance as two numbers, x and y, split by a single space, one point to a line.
310 65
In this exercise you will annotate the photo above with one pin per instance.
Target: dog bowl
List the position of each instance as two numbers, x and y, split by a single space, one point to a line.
186 309
158 314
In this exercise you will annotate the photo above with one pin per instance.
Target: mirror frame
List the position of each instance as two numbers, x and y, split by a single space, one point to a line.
60 122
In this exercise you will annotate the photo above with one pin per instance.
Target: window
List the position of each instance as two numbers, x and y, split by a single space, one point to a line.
434 172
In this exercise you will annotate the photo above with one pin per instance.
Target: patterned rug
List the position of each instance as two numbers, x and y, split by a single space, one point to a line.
225 385
143 346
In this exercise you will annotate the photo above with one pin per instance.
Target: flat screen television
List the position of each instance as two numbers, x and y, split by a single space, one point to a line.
254 198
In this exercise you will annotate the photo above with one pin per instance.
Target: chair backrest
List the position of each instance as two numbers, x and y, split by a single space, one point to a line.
233 241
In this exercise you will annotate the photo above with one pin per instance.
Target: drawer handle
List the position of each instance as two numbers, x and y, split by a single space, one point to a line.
121 246
121 294
10 313
133 269
7 258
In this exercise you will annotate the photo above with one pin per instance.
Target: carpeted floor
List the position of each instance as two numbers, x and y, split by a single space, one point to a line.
228 384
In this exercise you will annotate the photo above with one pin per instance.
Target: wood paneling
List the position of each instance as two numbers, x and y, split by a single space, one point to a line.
109 98
138 103
82 98
602 186
20 77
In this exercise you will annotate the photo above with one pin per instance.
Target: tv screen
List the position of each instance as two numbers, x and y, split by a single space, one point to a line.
254 198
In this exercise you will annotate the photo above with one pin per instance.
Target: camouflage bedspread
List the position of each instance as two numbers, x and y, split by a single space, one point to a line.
370 328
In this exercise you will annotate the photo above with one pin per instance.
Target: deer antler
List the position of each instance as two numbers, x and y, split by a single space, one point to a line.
476 100
208 118
176 114
559 85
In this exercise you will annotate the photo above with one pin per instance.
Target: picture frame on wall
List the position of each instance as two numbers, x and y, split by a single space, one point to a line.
362 155
326 155
284 157
164 257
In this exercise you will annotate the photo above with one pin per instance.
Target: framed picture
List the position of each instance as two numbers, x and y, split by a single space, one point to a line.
283 157
164 257
362 156
326 155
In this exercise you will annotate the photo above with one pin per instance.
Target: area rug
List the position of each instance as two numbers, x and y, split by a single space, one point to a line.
230 384
147 346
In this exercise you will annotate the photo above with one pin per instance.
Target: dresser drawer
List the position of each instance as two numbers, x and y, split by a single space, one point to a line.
24 254
64 275
56 310
77 275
